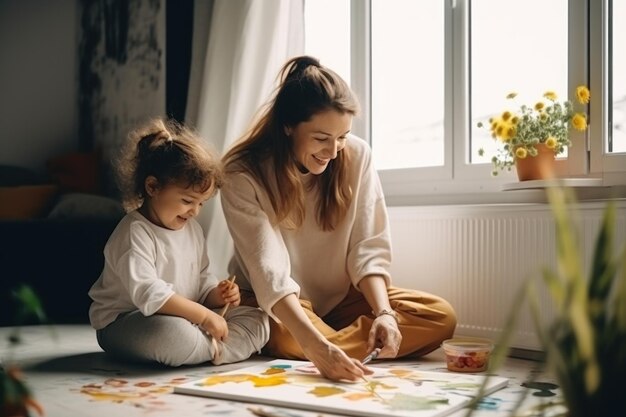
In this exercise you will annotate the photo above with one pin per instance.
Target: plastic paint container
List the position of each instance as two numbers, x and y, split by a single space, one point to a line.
467 354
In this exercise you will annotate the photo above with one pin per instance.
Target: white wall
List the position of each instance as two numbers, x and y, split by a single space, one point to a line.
38 80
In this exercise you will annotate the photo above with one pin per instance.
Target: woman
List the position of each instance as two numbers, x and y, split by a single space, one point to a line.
307 214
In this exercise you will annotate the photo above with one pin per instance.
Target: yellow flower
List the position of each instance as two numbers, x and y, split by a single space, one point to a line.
550 95
583 94
539 106
551 142
506 115
521 153
579 121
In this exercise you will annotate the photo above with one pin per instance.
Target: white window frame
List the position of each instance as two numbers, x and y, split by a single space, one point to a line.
587 55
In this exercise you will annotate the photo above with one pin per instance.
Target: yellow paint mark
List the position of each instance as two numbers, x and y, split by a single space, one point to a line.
357 396
401 373
257 381
272 371
113 396
372 385
325 391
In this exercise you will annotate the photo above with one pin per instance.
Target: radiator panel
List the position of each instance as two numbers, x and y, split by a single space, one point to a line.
477 257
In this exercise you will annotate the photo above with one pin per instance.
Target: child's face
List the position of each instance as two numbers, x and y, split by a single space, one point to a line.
172 206
317 141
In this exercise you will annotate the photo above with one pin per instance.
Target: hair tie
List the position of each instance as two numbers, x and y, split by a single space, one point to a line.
302 63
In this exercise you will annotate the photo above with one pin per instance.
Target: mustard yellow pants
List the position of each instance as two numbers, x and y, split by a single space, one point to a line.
424 320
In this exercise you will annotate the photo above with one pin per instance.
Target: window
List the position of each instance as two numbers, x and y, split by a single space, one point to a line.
407 114
511 55
427 71
322 29
617 137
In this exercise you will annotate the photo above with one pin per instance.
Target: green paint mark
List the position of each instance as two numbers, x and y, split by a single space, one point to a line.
414 402
281 366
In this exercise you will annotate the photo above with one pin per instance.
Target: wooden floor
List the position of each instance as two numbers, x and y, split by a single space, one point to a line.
71 377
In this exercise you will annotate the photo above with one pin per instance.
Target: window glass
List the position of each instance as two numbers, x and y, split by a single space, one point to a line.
516 46
327 34
617 141
407 83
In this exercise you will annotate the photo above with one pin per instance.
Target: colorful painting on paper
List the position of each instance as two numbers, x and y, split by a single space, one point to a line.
395 392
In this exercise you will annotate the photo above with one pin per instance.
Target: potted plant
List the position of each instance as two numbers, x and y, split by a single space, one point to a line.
535 133
16 399
585 343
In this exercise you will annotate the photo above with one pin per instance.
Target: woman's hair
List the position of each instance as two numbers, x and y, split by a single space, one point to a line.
170 152
305 89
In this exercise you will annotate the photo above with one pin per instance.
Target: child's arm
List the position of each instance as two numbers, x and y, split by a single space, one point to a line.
196 313
226 292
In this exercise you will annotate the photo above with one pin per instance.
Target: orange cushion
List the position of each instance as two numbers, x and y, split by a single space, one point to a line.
26 201
77 172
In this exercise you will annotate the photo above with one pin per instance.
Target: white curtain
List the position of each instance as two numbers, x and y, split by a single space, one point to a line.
248 42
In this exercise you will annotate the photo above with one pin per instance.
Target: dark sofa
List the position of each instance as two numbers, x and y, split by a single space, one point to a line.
53 228
59 258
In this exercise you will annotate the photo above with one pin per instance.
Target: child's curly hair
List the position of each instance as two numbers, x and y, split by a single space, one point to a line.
170 152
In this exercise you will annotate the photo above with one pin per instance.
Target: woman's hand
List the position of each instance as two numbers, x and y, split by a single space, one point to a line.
385 334
333 363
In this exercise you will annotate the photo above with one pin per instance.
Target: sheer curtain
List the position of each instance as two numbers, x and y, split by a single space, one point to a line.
248 42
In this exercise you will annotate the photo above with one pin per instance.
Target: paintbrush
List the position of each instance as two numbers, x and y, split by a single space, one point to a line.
225 308
373 355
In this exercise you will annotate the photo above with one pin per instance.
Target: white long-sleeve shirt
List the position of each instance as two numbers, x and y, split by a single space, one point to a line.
145 264
316 265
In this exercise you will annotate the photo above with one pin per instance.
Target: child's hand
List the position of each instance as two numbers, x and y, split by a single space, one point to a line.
215 325
229 292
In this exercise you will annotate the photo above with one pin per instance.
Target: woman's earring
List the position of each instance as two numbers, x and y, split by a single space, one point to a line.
287 131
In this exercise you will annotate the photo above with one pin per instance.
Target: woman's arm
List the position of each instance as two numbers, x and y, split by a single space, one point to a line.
331 361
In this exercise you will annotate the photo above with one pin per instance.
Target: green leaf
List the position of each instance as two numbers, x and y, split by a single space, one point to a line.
602 272
29 304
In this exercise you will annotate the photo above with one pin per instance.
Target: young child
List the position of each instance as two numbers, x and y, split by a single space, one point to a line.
154 298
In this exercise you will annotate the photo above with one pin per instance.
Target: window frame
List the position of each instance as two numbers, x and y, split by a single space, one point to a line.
587 64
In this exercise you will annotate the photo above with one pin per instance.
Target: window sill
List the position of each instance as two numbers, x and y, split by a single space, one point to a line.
563 182
472 193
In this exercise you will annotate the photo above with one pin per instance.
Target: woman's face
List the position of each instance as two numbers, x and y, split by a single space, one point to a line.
318 140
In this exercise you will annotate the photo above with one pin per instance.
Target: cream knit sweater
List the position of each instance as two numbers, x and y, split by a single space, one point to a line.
316 265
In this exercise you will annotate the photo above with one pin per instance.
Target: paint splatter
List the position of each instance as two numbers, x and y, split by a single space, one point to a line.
326 391
414 403
273 371
401 373
114 382
257 381
144 384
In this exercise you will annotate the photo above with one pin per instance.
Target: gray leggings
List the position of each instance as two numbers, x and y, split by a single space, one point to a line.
174 341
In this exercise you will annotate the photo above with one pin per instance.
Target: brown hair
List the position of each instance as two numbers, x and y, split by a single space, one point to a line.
306 88
170 152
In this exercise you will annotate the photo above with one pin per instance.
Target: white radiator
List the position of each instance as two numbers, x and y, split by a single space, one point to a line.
477 257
